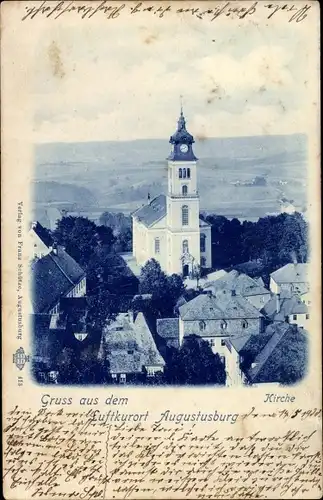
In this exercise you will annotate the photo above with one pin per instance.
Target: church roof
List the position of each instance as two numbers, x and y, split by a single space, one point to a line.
152 212
181 136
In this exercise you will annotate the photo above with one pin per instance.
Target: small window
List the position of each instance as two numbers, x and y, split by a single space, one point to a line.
202 242
118 328
185 215
307 316
188 173
114 376
294 316
122 378
222 342
130 351
185 246
180 173
223 325
212 342
184 190
202 325
244 324
157 245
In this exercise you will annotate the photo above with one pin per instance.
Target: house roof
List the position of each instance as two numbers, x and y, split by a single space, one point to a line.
130 345
42 233
204 223
287 306
152 212
277 332
168 328
52 277
242 284
207 306
291 273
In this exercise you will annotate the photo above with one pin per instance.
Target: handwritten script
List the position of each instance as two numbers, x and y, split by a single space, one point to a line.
110 10
66 454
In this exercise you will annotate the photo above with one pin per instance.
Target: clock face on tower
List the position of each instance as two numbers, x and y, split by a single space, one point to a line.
183 148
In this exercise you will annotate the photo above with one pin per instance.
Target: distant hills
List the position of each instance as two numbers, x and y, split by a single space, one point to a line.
243 177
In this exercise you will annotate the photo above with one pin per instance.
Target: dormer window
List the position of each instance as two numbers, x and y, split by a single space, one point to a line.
244 324
202 325
223 325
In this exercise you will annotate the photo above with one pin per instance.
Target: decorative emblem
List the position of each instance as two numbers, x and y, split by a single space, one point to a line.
20 358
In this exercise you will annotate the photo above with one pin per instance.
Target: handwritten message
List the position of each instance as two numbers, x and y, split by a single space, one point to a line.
58 453
110 10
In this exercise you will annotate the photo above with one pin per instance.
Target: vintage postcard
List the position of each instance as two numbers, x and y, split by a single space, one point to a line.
161 253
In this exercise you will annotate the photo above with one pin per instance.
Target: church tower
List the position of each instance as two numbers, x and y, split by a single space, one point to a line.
182 221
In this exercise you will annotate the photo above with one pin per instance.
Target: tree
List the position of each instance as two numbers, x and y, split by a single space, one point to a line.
165 290
195 364
81 237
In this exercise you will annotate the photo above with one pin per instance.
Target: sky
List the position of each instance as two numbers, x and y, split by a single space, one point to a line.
123 81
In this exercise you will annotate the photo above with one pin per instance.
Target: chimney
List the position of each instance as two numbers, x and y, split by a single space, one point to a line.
278 303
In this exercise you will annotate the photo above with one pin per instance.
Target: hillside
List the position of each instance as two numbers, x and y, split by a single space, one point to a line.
244 177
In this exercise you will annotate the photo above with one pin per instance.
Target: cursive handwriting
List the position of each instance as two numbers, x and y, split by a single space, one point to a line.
111 10
59 453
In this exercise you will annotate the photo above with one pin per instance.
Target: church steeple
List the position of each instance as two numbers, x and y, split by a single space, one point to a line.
182 142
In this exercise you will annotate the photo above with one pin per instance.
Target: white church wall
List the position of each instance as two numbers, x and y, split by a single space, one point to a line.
176 249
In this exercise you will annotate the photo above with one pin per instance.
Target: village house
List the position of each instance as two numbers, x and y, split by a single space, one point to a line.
52 277
169 228
40 241
292 278
251 289
258 359
129 347
291 310
212 318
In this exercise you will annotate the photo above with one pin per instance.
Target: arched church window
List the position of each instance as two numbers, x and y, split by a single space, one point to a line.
203 261
184 190
180 173
202 242
185 215
188 173
185 246
157 245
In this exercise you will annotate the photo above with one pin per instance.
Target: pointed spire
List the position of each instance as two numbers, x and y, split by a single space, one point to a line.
181 122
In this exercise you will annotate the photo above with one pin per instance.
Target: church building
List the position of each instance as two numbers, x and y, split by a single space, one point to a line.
169 228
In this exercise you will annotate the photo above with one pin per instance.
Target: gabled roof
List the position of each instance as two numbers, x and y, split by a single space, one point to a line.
168 328
53 276
242 284
152 212
261 362
42 233
287 306
207 306
291 273
129 346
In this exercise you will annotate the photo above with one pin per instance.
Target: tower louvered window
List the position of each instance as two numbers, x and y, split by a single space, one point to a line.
185 215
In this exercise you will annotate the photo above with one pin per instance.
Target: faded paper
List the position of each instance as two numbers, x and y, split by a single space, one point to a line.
116 441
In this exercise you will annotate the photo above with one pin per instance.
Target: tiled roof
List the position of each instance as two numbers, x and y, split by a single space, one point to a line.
287 306
241 283
206 306
278 331
52 277
130 346
168 328
42 233
291 273
152 212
